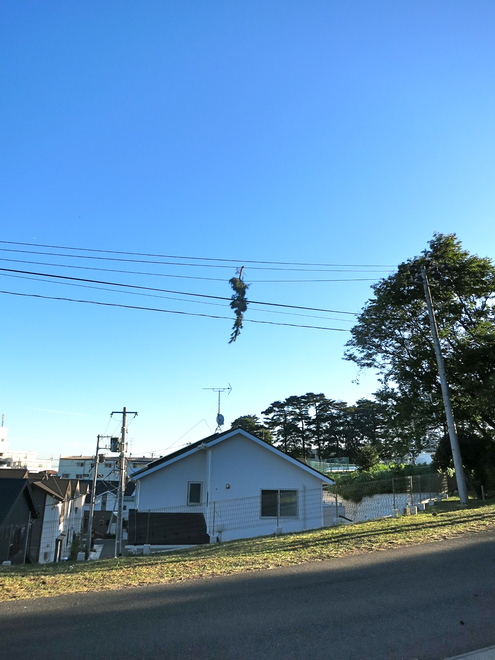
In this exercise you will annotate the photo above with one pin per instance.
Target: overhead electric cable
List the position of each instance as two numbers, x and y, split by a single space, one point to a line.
181 293
166 311
185 277
168 256
154 295
162 263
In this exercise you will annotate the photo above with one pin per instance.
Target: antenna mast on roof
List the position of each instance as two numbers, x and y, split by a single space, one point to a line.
220 418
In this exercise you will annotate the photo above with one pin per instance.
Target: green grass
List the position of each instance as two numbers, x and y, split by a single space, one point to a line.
446 520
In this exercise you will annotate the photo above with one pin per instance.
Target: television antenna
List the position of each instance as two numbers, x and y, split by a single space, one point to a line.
220 418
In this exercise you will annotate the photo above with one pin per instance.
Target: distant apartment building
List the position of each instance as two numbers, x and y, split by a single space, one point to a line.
21 459
81 467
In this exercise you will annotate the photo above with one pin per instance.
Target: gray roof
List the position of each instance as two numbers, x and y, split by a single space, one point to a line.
11 490
218 437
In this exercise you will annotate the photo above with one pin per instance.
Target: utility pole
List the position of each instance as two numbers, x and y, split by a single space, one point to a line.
93 495
122 481
454 440
93 499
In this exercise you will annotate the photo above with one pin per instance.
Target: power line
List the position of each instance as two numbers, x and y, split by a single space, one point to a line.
165 311
180 293
168 256
160 263
187 277
151 295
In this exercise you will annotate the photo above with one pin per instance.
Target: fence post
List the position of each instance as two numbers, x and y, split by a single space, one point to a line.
393 493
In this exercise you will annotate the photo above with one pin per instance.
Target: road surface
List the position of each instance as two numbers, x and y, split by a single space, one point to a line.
427 602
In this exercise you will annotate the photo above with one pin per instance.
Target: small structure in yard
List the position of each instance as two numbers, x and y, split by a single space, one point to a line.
228 486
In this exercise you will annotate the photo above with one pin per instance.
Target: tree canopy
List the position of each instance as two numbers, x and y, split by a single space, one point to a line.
393 337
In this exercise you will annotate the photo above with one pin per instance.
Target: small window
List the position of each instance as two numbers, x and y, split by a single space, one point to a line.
80 464
79 476
66 476
194 492
108 465
279 503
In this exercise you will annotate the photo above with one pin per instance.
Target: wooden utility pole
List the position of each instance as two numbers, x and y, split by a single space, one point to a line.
122 481
454 440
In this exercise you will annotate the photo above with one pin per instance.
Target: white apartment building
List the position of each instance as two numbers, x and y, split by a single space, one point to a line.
81 467
18 458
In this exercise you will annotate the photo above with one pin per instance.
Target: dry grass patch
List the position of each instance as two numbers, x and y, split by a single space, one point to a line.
447 520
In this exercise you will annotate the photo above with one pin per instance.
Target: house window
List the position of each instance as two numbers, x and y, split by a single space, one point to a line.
194 492
279 503
80 464
108 465
65 475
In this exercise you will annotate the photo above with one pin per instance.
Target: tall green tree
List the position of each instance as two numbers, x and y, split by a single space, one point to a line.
252 424
279 420
393 337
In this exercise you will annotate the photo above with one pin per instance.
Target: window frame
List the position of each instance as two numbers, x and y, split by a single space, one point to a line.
190 502
280 510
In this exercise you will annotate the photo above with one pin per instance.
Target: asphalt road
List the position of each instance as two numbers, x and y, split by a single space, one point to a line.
427 602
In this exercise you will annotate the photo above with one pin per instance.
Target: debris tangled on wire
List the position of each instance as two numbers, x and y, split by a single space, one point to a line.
238 302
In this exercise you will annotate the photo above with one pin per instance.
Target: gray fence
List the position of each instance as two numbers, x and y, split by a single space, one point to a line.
373 499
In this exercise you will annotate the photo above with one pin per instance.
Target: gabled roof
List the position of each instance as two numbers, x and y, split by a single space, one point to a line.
215 439
11 490
43 486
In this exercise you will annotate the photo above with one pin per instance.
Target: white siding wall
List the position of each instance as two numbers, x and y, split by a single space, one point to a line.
51 529
167 487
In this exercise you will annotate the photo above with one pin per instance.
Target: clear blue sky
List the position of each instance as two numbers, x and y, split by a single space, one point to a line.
292 131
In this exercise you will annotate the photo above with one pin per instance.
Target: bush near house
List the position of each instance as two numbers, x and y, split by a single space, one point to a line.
383 479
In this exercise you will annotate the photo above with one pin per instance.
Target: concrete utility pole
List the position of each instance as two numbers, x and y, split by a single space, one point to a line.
454 441
93 499
122 481
93 495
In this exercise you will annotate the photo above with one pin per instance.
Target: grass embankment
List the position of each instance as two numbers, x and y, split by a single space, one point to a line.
446 520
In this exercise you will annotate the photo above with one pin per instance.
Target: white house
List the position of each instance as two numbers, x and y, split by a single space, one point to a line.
62 518
237 484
